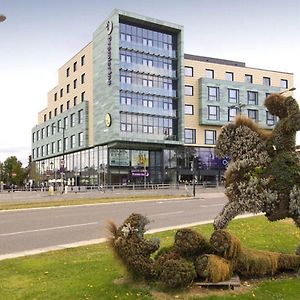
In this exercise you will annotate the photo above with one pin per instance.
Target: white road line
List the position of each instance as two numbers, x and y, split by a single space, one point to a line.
48 229
167 214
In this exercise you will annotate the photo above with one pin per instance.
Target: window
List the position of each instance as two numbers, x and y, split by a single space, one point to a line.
75 66
75 101
43 150
147 103
252 98
147 42
72 120
284 83
66 122
82 96
47 149
42 133
82 78
53 144
267 81
190 136
233 96
188 109
66 143
55 111
72 141
125 58
248 78
188 90
68 104
209 73
38 135
68 88
80 139
126 100
253 114
59 146
229 76
55 97
270 119
125 37
213 112
126 78
232 112
61 108
82 60
213 93
210 137
49 115
61 92
68 72
33 137
75 83
53 128
80 116
59 126
148 82
48 131
45 117
189 71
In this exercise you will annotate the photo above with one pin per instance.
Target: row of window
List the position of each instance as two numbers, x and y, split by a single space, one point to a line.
82 63
210 136
147 60
75 84
213 114
151 101
68 105
146 124
56 147
147 37
209 73
58 127
213 94
147 80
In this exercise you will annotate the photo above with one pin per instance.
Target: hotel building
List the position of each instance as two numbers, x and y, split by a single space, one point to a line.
131 107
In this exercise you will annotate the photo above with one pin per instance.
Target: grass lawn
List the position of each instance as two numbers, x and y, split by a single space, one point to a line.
91 272
69 202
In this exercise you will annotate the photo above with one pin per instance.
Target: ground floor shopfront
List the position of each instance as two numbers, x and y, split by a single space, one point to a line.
105 166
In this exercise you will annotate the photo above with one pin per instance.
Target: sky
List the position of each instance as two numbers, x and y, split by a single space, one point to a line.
39 36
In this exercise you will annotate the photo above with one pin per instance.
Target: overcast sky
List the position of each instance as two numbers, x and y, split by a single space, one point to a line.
39 36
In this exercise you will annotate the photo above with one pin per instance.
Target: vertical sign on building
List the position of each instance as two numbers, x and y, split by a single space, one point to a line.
109 28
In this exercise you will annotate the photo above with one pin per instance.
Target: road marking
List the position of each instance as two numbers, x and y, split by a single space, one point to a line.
48 229
167 214
212 205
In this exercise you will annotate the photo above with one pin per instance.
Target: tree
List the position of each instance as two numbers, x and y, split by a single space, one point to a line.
12 171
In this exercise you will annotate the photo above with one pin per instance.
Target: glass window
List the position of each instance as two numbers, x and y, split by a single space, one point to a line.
61 108
252 98
68 88
233 96
50 115
68 72
80 139
248 78
213 112
188 90
284 83
82 78
66 122
66 143
229 76
55 97
59 146
270 119
213 93
267 81
61 92
189 71
232 112
82 60
75 101
75 83
45 117
80 116
75 66
210 137
68 104
209 73
188 109
190 136
82 96
72 120
72 141
253 114
53 147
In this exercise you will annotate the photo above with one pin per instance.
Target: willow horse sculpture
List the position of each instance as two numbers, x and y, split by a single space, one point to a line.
264 172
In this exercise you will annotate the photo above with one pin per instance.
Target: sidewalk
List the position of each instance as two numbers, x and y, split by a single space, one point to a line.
19 197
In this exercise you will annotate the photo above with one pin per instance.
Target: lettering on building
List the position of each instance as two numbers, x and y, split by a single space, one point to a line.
109 28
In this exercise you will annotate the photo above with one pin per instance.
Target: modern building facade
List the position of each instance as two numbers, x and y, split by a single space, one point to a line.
131 107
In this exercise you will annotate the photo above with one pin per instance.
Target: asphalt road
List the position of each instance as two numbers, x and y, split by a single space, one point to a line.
31 229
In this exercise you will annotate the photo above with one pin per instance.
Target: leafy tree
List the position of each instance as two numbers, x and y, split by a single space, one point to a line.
12 171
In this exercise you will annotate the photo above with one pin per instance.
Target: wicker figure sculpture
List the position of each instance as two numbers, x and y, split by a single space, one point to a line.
264 172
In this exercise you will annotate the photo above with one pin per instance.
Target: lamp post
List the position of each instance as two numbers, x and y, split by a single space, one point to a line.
289 90
238 106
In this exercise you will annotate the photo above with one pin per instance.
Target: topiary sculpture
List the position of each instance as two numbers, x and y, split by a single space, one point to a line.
132 248
264 172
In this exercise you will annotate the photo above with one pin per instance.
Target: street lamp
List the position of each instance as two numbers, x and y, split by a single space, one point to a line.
238 106
289 90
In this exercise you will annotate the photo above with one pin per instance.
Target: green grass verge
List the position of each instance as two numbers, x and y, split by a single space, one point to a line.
69 202
91 272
